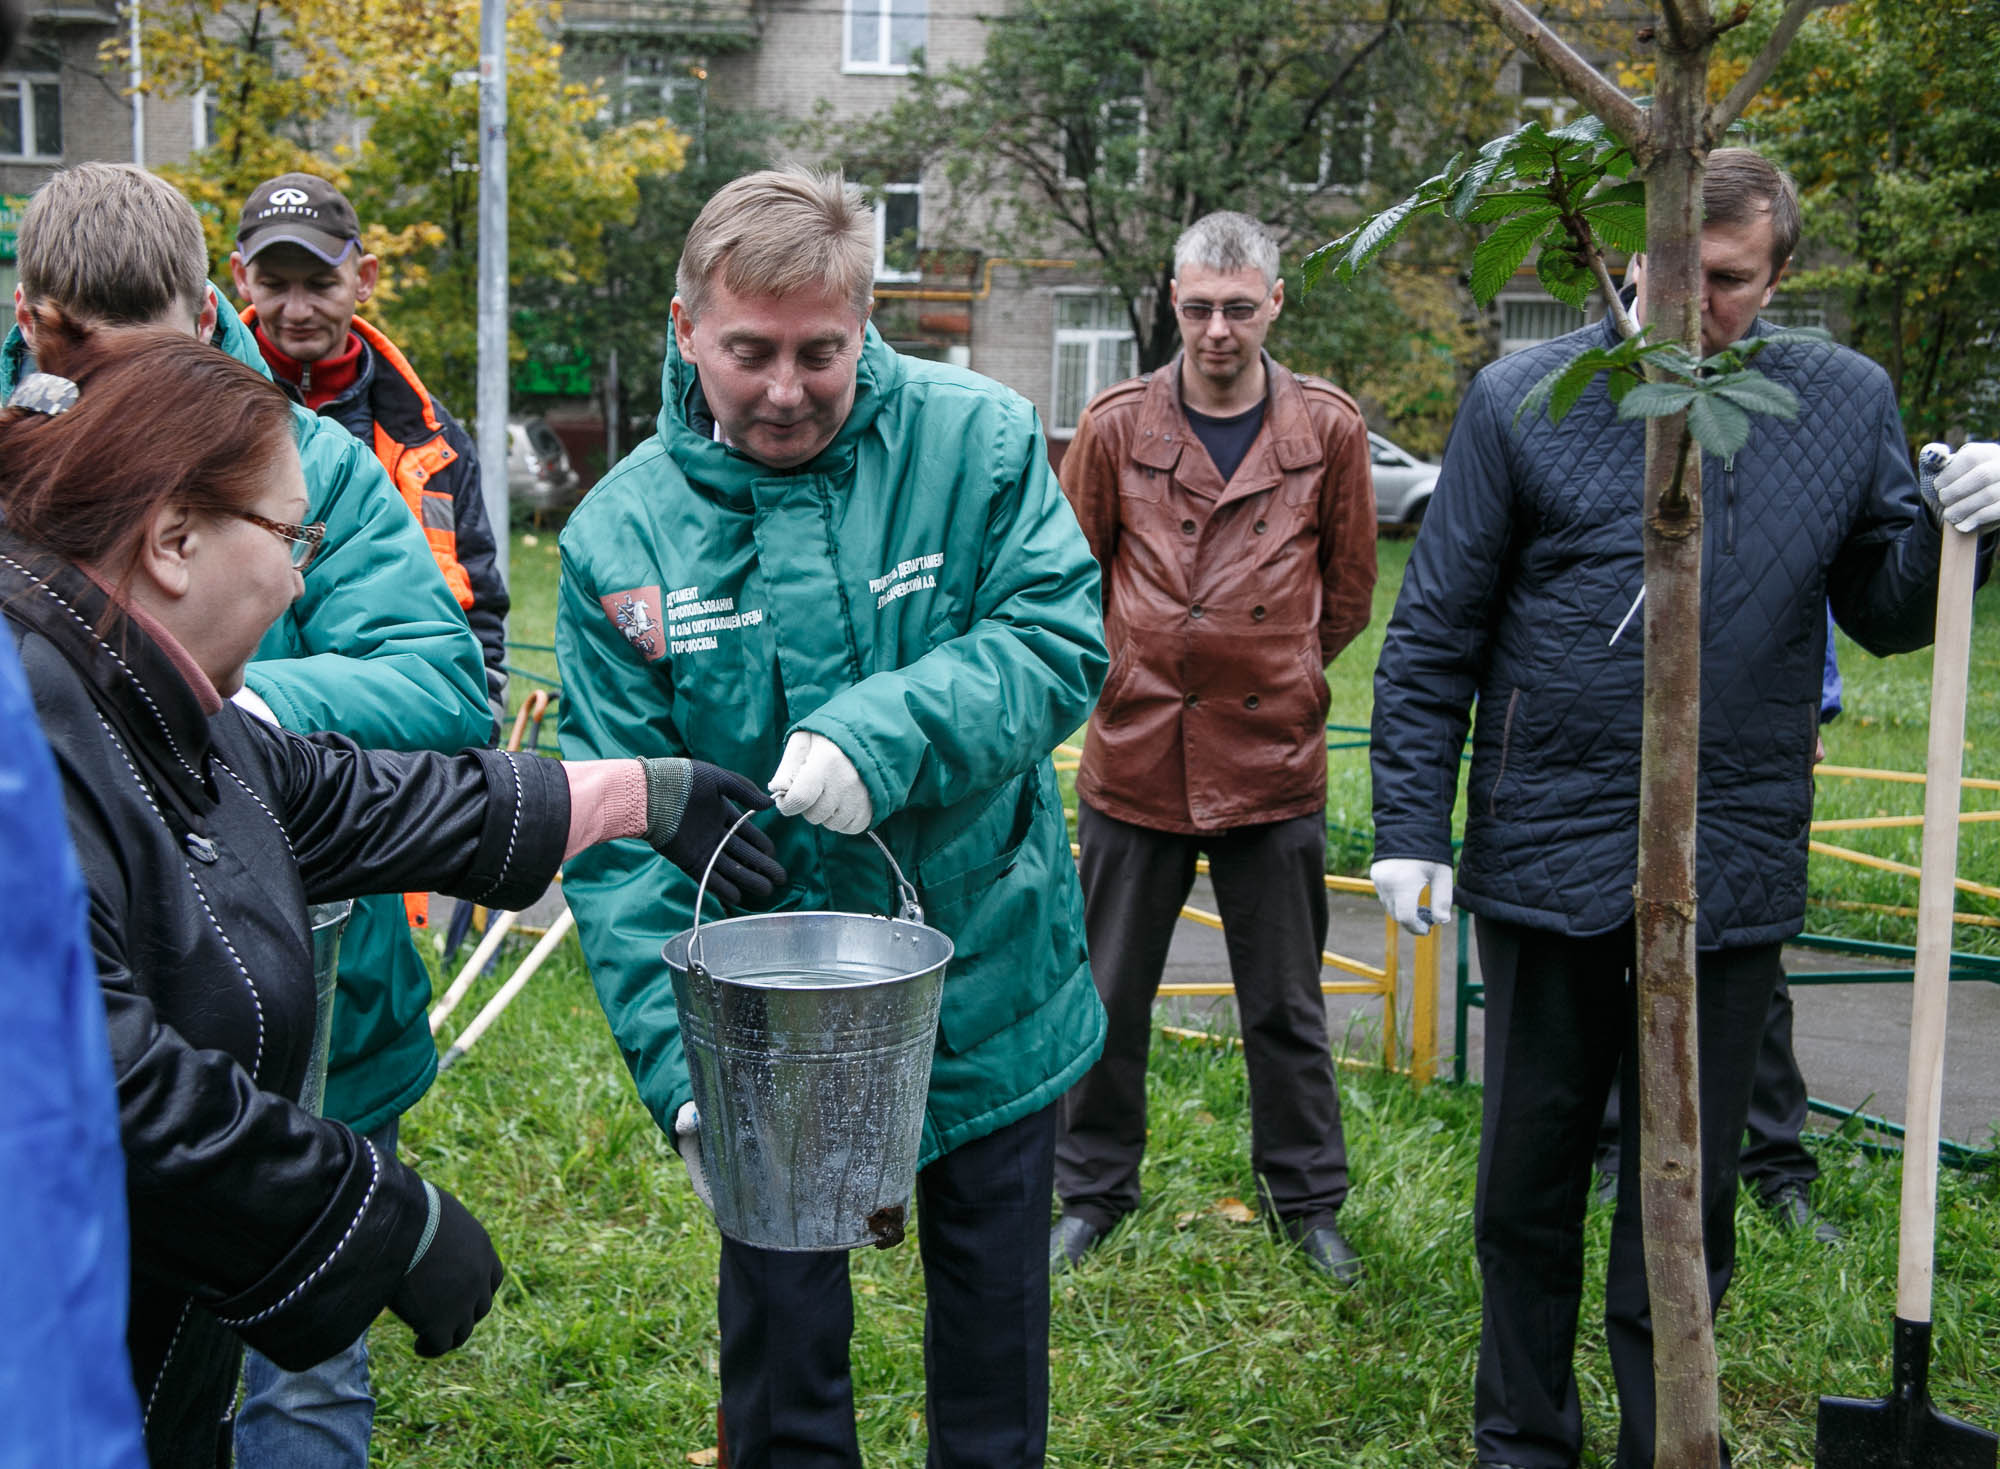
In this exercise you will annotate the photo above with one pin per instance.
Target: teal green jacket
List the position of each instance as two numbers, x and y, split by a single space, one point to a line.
921 595
376 649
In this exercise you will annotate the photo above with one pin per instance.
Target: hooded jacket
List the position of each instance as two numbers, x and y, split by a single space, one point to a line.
376 650
202 838
1529 561
919 594
434 466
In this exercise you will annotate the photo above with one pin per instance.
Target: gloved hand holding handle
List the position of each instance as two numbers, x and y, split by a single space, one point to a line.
816 780
1968 486
689 805
1400 883
451 1282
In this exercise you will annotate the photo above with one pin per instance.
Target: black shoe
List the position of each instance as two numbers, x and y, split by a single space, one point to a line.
1071 1239
1791 1210
1331 1255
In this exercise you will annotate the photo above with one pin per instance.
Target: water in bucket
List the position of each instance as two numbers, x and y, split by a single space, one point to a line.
809 1039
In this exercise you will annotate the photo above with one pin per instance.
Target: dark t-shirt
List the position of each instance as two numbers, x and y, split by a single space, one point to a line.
1226 439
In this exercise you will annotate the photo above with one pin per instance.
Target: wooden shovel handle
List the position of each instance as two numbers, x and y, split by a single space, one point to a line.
1944 767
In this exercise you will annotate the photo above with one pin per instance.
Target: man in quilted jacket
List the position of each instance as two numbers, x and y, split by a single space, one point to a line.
1529 562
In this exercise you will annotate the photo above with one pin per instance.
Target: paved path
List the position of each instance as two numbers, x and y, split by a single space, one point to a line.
1853 1041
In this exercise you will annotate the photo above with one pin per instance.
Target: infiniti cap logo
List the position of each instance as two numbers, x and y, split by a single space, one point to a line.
289 196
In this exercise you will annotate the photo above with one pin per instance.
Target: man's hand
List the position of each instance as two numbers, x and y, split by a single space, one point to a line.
1400 883
687 1142
816 780
1968 488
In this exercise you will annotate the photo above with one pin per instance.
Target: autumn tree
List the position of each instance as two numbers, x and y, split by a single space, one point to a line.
1105 127
378 97
1884 111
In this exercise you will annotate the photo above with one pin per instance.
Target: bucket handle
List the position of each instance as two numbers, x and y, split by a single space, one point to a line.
908 909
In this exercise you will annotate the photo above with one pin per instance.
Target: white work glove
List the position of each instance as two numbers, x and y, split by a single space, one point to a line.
816 780
687 1142
251 702
1968 487
1400 882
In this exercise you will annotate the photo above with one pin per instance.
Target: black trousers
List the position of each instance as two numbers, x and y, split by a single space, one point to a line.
1774 1152
1270 885
1560 1017
787 1319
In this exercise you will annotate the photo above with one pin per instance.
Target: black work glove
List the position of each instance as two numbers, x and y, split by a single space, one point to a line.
689 805
451 1283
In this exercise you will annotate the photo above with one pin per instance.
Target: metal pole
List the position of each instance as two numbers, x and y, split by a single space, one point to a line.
492 406
138 98
614 399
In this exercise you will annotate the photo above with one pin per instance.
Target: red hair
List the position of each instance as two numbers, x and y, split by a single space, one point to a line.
160 419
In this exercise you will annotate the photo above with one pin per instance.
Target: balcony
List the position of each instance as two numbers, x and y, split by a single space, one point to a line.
75 12
660 20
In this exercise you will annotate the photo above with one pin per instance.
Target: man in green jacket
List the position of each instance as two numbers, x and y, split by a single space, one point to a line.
376 649
857 570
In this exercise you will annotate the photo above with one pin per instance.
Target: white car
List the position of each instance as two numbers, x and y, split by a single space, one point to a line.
1403 482
539 476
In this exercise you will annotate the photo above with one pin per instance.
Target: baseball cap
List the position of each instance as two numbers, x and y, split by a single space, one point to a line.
298 209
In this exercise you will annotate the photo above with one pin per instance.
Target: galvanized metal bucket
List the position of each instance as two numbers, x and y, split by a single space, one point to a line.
808 1039
327 921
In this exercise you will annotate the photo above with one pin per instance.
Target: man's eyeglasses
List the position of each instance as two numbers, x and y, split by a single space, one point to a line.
305 539
1231 310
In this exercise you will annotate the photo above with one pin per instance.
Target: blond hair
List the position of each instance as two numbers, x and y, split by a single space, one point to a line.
112 244
778 232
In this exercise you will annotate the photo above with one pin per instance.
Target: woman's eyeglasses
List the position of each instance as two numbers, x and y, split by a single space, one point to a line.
304 539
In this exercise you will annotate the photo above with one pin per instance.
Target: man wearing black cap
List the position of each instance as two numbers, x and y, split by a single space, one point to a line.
300 266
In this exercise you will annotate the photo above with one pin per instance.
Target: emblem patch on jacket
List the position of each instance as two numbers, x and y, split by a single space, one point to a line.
636 614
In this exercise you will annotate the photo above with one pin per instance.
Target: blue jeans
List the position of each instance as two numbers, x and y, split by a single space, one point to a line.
320 1418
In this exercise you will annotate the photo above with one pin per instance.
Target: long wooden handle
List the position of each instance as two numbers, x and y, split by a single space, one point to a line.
497 925
1943 769
558 931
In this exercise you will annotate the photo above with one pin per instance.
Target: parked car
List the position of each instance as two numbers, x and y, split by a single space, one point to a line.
539 476
1403 482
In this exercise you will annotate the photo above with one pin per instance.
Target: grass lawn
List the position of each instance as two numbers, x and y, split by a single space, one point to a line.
1190 1338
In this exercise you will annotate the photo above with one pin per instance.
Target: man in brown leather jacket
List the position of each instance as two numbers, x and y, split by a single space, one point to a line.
1229 505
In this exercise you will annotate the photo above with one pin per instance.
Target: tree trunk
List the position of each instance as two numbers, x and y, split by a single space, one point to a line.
1687 1432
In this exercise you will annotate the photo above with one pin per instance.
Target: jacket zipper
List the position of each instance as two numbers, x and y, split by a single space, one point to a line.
1729 506
1506 749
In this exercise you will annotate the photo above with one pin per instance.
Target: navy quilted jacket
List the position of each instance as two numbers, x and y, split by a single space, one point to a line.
1530 558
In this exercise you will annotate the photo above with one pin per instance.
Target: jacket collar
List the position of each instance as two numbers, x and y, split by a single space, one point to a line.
687 428
1163 430
397 397
132 680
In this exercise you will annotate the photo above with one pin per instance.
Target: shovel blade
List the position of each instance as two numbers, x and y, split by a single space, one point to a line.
1897 1433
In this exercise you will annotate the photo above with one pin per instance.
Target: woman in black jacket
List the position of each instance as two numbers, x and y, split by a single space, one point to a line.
151 495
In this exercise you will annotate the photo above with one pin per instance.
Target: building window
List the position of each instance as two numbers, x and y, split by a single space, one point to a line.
1795 311
898 219
1112 141
884 35
1337 153
1095 348
1526 320
30 116
205 127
